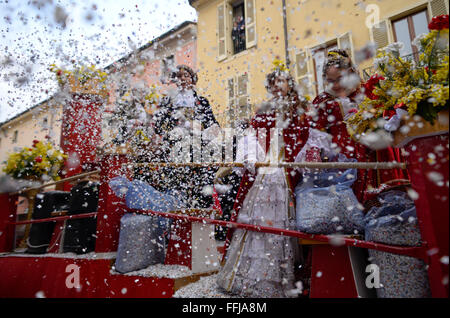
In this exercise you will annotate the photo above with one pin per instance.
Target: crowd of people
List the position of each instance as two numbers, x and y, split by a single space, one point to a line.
286 128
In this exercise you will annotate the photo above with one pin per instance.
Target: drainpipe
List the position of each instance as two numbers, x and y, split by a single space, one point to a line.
286 45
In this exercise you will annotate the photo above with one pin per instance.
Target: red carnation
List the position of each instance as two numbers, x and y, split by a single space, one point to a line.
369 86
38 159
438 23
428 70
401 105
388 113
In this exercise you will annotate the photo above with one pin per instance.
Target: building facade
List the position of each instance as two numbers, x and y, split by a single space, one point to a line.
147 66
41 122
234 57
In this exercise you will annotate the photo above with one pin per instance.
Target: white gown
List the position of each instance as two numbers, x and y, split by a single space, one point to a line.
262 264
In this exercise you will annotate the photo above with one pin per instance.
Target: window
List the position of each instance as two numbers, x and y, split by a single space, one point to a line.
302 69
238 100
319 56
45 123
406 29
15 136
168 65
309 63
236 27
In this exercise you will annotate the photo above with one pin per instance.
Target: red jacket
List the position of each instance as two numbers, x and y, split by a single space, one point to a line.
330 118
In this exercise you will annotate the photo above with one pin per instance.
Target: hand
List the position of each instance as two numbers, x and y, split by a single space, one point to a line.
250 165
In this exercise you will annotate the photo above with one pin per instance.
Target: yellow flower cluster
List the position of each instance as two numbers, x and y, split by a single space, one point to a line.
153 97
33 163
279 65
82 73
364 120
420 87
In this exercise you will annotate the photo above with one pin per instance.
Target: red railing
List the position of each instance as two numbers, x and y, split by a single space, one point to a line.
57 218
413 251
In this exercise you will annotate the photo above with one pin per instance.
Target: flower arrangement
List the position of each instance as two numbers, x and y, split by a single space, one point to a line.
153 97
42 159
279 65
82 73
404 86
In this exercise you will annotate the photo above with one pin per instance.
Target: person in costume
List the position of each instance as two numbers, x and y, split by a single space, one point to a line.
337 103
184 113
262 264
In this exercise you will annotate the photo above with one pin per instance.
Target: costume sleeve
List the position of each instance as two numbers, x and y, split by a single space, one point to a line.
319 120
325 112
248 148
257 121
163 118
318 141
207 116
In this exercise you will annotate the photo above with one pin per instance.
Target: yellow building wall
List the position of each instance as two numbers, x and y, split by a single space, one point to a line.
325 20
309 23
30 126
256 61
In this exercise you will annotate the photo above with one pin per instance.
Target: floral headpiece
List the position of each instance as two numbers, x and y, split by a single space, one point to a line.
279 65
338 57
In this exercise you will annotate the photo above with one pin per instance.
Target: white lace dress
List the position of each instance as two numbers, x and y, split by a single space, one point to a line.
261 264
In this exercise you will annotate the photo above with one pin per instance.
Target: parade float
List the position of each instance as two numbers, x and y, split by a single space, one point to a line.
192 252
407 105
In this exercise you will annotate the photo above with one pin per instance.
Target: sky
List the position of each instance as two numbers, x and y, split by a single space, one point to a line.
37 33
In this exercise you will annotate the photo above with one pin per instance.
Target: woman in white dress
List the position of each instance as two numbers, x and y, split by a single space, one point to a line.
261 264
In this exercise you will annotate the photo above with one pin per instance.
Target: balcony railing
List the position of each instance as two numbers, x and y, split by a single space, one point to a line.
369 71
413 57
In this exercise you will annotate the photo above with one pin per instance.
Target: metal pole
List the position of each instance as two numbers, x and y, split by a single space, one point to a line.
311 165
57 218
286 41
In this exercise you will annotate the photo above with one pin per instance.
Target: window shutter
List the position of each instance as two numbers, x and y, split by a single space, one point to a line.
242 100
438 7
230 89
250 23
303 67
232 92
168 65
345 42
379 34
221 31
242 85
